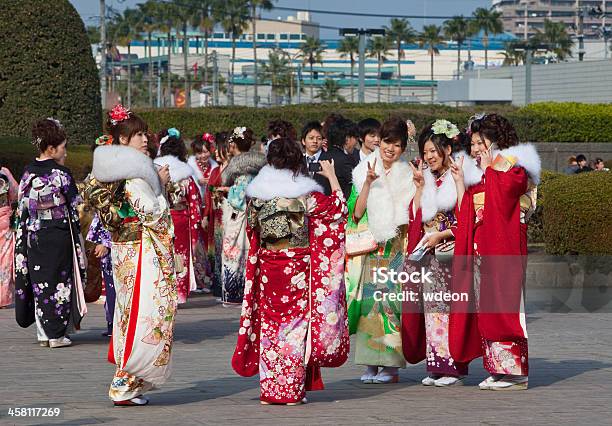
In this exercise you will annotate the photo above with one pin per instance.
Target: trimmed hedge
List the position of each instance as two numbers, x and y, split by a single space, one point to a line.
543 122
47 70
16 153
535 230
576 215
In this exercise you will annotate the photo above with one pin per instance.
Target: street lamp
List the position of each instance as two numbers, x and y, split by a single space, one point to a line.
361 33
529 48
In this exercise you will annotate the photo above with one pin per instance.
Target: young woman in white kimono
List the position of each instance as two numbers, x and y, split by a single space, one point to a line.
132 207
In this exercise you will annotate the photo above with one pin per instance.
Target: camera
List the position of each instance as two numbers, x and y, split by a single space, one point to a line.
314 167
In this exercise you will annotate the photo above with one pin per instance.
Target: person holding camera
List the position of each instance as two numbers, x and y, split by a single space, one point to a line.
312 141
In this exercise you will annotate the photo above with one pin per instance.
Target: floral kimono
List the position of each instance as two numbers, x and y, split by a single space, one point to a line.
377 323
131 205
490 261
293 317
8 196
214 212
209 210
237 176
50 261
97 234
425 322
192 269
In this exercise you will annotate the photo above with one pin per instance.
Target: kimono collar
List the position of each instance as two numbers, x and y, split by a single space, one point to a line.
112 163
178 169
272 183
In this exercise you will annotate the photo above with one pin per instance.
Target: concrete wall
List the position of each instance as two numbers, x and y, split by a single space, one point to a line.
589 81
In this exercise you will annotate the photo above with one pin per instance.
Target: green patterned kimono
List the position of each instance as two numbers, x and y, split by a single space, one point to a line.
375 323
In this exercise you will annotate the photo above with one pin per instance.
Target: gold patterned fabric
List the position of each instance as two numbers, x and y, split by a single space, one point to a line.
280 221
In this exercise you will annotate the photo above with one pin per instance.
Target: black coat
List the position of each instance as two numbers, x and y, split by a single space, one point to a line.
321 180
343 165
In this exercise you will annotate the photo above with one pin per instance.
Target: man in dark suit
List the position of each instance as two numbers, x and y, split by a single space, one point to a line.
342 138
312 141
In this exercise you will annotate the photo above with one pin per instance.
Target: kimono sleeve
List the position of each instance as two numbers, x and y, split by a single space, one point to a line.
24 298
326 207
105 198
150 209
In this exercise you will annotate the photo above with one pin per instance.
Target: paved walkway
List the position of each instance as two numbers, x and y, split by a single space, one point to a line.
570 358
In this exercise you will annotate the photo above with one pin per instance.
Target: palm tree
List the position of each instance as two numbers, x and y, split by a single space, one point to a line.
128 31
165 17
556 39
234 17
431 38
400 32
311 52
330 92
512 56
262 5
349 48
378 48
458 29
149 24
277 71
204 20
490 22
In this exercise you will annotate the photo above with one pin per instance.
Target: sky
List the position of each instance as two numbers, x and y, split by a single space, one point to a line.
89 10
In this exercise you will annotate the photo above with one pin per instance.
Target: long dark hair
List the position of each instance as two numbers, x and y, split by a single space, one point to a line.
173 146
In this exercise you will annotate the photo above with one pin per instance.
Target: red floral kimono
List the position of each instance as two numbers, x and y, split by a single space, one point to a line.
490 261
293 317
192 270
214 235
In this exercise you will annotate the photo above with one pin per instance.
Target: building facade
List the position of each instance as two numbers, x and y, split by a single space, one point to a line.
524 18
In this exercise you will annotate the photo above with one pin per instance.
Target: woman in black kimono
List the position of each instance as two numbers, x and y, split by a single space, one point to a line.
49 255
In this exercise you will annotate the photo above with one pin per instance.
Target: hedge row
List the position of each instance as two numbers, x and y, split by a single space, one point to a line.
47 70
543 122
576 214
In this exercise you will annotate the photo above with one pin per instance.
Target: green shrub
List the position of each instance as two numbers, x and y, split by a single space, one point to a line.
577 217
543 122
564 122
16 153
47 69
535 230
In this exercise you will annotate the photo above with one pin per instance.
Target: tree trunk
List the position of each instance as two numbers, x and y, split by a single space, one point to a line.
205 57
352 81
458 60
253 12
150 73
186 65
432 77
399 69
169 69
485 42
311 82
232 67
379 74
129 76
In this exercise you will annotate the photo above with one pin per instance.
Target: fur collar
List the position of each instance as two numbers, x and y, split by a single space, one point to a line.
194 165
437 198
527 157
112 163
271 183
472 174
248 163
178 169
389 198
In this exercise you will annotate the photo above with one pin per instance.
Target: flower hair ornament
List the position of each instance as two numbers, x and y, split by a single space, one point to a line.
210 138
104 140
118 114
237 134
472 119
446 128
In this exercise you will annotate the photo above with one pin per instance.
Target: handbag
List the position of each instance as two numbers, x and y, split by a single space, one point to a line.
359 240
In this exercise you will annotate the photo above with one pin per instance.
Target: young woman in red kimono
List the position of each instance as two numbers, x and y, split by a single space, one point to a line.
213 211
293 317
203 165
491 251
192 270
432 225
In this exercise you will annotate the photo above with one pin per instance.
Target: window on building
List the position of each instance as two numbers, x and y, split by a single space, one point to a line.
218 35
284 36
271 37
261 36
295 36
